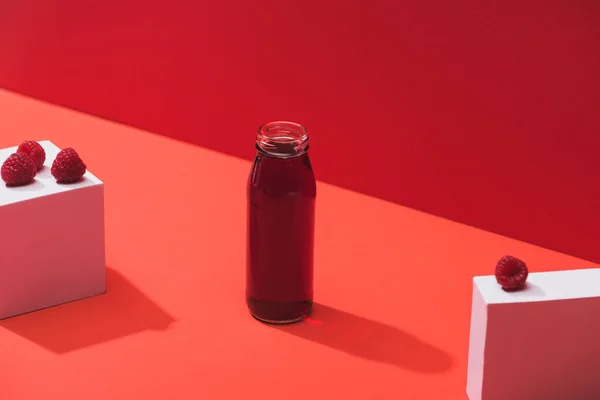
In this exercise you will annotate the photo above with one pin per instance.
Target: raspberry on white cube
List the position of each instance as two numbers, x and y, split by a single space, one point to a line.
542 342
51 241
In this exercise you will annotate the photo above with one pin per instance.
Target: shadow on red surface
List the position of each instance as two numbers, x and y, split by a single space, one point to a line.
123 310
369 339
485 113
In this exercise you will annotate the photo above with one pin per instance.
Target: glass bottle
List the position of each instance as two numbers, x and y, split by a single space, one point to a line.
281 219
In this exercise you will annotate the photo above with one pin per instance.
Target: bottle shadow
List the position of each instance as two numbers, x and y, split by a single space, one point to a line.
123 310
365 338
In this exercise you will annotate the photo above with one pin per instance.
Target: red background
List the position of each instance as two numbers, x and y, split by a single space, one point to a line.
482 112
486 113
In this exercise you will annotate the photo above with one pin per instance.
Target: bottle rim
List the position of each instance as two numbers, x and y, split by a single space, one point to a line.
282 139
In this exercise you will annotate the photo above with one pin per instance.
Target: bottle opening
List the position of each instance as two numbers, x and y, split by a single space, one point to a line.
282 139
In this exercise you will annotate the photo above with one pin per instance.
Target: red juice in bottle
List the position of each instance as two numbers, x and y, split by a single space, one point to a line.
281 218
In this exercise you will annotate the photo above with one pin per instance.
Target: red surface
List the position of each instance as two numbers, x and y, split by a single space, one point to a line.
393 286
483 112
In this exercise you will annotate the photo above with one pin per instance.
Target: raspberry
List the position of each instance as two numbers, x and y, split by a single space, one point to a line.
34 151
68 167
18 170
511 273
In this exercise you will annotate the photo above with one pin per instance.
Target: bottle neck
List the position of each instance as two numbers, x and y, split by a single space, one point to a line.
282 139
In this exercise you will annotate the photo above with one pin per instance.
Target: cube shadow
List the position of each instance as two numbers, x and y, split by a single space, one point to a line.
122 311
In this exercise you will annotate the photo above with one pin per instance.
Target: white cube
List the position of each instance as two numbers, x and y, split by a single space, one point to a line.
541 343
51 240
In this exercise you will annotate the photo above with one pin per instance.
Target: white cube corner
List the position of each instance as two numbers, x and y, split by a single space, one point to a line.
52 242
538 343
